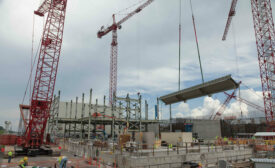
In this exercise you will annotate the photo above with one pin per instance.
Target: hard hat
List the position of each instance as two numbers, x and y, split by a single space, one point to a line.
200 164
25 158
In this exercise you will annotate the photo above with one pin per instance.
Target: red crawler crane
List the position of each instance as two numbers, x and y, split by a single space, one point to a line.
265 41
113 58
223 106
227 100
46 71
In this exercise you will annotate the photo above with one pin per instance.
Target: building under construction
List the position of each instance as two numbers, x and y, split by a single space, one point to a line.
117 130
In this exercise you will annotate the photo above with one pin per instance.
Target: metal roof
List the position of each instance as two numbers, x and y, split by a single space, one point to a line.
208 88
260 134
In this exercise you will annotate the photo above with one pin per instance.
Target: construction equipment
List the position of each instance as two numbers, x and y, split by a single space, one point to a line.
113 58
45 77
131 146
238 98
223 106
265 36
228 99
247 102
232 13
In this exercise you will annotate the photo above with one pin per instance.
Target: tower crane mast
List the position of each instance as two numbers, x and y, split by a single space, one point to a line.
265 42
113 57
46 71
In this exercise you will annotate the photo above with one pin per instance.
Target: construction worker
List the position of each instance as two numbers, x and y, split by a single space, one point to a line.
200 165
21 163
62 160
10 156
25 159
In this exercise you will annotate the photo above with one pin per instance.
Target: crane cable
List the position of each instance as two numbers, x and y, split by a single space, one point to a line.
179 41
125 9
197 43
237 65
28 83
32 61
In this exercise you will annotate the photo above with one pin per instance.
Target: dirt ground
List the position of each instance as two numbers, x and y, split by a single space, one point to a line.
45 161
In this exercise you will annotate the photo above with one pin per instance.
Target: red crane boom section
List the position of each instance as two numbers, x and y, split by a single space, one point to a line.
232 13
223 106
116 25
265 42
46 70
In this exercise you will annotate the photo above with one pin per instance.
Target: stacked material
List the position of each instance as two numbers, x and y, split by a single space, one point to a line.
123 139
147 139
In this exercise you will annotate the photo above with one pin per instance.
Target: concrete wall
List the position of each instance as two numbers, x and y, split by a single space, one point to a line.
175 160
264 165
176 137
207 129
145 158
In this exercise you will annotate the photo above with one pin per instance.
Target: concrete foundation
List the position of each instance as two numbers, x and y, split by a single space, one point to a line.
162 157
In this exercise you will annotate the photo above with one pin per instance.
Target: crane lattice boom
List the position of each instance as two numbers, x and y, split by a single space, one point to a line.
265 42
46 70
232 13
265 36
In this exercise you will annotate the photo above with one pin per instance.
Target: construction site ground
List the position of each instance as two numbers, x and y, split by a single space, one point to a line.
46 161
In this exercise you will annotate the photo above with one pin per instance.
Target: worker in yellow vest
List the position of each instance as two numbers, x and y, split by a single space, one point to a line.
62 160
10 156
21 163
25 159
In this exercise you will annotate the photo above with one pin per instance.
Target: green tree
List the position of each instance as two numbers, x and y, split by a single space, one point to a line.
2 130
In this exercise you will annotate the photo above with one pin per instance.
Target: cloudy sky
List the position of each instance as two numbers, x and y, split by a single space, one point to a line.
147 52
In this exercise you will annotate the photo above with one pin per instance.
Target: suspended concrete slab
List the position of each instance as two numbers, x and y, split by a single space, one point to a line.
208 88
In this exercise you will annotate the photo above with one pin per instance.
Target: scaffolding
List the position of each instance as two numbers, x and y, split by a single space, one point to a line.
123 116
